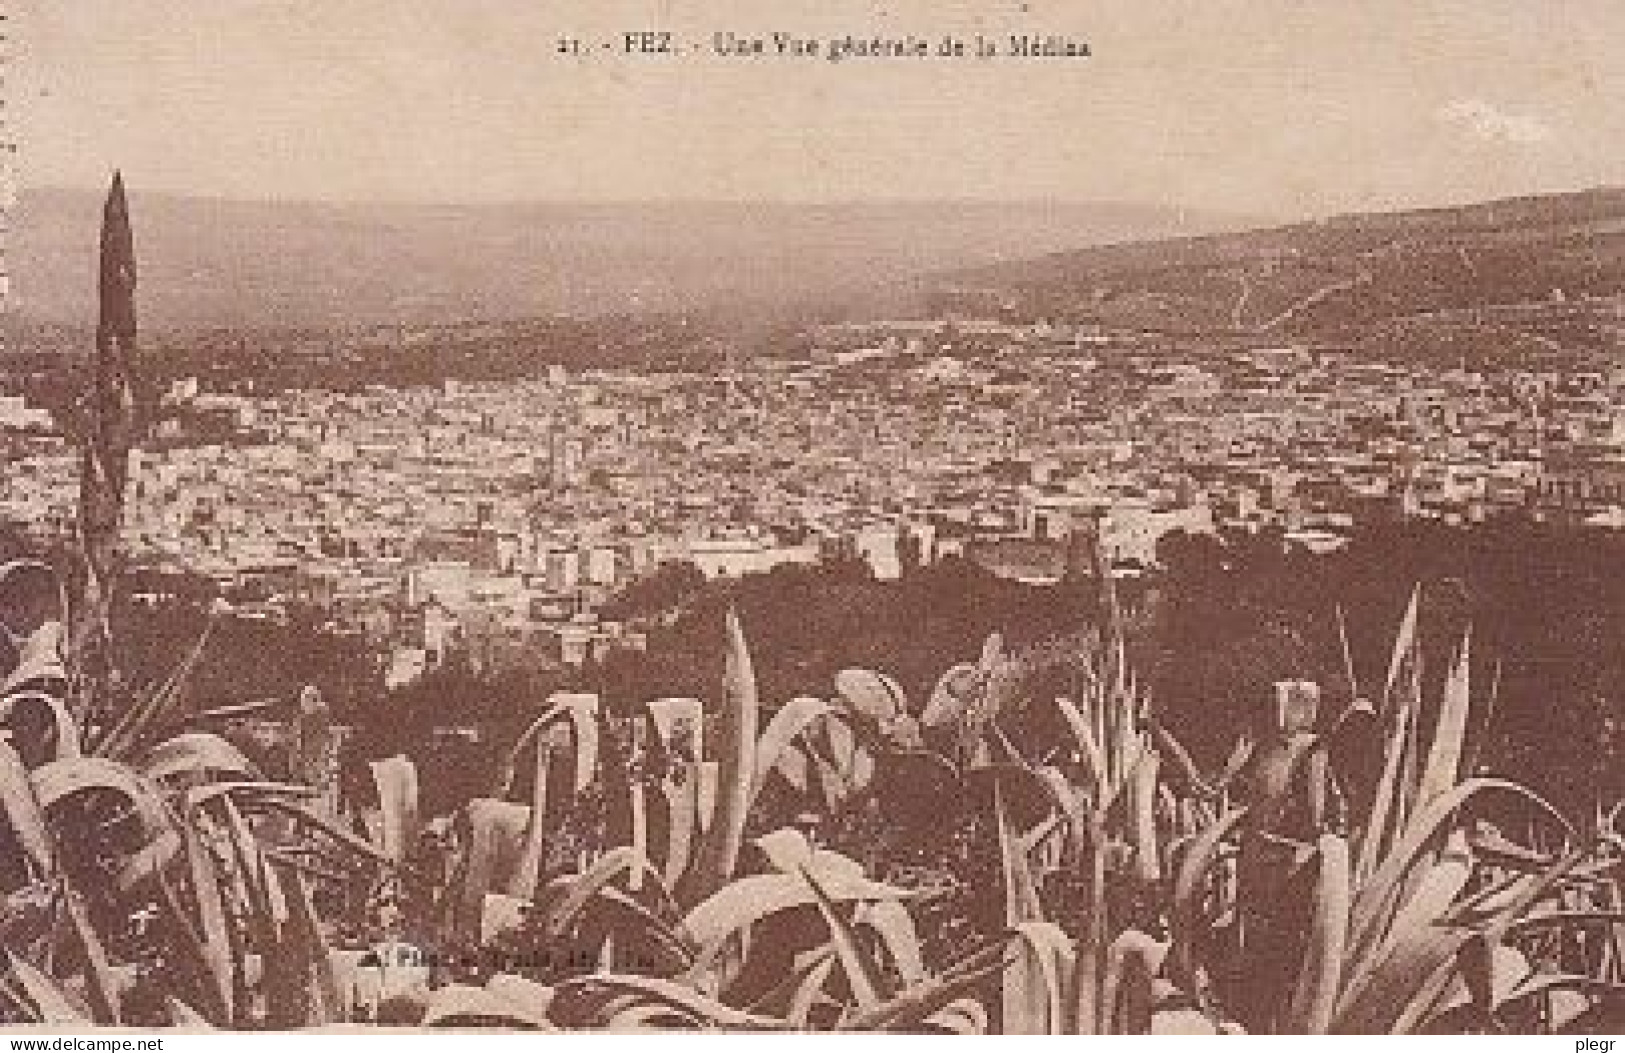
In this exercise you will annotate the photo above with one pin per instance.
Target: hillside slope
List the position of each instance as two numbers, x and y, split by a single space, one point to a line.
1362 276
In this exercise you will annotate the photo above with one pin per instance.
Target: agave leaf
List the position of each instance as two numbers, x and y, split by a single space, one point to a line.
1378 891
1567 918
806 986
1419 1006
309 953
906 1010
1477 908
1386 817
792 719
462 1005
748 900
718 852
1069 806
195 797
638 807
1036 981
682 823
102 987
1142 799
643 1017
1169 747
22 812
891 921
338 834
667 936
1189 883
527 995
197 752
581 711
61 779
45 1000
1404 649
605 987
247 871
1182 1022
1398 993
1569 995
962 1016
214 946
60 742
1435 891
1094 760
151 709
951 697
786 849
1488 973
529 869
1450 733
873 696
863 975
795 766
1093 946
1241 754
39 661
1021 904
1314 998
183 1015
849 766
609 866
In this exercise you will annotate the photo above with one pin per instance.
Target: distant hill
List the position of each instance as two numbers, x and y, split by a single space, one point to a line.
208 262
1423 277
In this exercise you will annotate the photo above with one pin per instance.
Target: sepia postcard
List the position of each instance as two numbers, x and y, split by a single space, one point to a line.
1089 517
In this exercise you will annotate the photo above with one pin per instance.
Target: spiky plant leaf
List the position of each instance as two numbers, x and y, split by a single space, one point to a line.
198 753
748 900
22 813
1443 768
1314 998
717 853
36 996
962 1016
1190 884
1037 980
863 975
601 991
792 720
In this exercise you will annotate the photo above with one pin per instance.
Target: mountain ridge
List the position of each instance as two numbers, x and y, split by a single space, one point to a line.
1354 275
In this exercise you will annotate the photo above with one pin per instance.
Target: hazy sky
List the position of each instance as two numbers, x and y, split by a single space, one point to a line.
1280 107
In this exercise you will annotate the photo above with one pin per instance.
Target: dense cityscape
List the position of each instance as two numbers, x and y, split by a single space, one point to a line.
497 518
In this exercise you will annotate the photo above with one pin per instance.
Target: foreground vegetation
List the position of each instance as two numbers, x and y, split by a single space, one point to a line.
982 859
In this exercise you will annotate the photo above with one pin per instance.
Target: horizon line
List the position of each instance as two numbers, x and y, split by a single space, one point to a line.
878 201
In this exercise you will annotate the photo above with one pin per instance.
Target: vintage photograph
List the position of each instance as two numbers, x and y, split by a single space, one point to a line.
1055 517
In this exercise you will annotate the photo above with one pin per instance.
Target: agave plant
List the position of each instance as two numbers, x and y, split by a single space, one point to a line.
1387 913
161 903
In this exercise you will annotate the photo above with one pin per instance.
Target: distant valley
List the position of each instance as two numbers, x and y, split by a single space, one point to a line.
213 263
